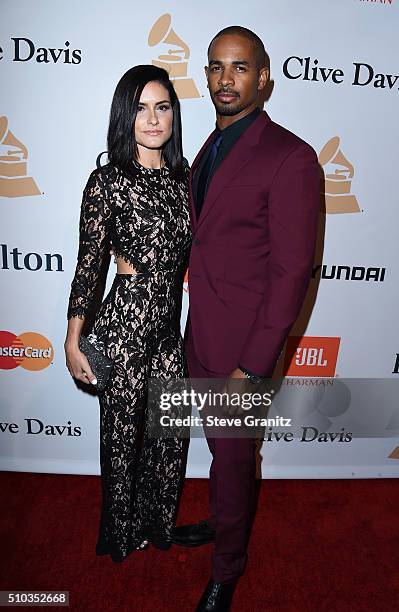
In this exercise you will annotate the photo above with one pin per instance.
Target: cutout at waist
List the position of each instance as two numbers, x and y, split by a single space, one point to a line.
123 267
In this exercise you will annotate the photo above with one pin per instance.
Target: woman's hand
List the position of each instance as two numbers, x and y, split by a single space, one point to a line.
77 364
76 361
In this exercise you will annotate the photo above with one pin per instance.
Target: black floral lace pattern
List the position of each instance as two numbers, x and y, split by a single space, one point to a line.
146 219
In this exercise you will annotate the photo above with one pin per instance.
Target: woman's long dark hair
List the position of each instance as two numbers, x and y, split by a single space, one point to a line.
121 141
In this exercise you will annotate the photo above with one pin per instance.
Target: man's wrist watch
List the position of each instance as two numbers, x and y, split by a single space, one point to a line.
253 378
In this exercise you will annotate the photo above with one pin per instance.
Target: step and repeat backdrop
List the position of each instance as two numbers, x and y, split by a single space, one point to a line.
335 82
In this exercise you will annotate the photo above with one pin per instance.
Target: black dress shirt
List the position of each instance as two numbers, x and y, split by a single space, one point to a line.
230 135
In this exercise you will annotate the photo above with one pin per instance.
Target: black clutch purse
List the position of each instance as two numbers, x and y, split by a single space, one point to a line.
101 365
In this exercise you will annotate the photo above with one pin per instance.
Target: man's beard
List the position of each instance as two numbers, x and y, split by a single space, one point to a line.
227 110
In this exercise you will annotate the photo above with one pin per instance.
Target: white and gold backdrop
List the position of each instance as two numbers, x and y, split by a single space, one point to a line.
335 83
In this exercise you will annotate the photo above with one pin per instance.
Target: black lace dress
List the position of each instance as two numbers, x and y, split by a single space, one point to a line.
145 216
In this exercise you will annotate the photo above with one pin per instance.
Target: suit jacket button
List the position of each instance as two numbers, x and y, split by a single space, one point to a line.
196 242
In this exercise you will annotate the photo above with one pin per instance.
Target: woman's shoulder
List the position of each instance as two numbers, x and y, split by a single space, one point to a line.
101 181
105 174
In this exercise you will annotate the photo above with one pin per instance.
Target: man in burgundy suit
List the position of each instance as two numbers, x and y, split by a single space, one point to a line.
254 195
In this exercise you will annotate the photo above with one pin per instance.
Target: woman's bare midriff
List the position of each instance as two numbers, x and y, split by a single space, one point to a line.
123 267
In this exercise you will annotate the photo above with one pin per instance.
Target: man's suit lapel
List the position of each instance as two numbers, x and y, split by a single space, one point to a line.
240 154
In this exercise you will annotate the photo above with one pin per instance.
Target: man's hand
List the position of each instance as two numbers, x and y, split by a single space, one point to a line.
236 384
237 373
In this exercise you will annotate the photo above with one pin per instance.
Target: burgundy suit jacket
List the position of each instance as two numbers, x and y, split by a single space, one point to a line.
253 249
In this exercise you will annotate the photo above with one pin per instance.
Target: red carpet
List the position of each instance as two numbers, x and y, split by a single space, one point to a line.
316 545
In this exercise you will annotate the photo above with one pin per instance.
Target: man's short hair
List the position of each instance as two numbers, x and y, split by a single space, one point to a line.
261 56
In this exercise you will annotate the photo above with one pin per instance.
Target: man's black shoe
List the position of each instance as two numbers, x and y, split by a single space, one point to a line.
193 535
216 597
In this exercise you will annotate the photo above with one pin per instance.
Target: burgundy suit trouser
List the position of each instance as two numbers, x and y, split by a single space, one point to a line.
231 490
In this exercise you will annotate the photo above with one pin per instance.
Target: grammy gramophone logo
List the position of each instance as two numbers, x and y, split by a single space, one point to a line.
176 59
14 179
338 179
394 454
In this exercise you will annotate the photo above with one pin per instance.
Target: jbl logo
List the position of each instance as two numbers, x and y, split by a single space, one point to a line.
311 356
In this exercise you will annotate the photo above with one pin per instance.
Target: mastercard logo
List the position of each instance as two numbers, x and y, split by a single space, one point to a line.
31 351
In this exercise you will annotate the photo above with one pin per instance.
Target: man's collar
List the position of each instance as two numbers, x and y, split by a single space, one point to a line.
241 124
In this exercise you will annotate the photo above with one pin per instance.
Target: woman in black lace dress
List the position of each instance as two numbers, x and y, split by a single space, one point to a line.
138 202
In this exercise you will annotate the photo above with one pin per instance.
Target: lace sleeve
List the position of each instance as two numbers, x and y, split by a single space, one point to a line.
95 215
